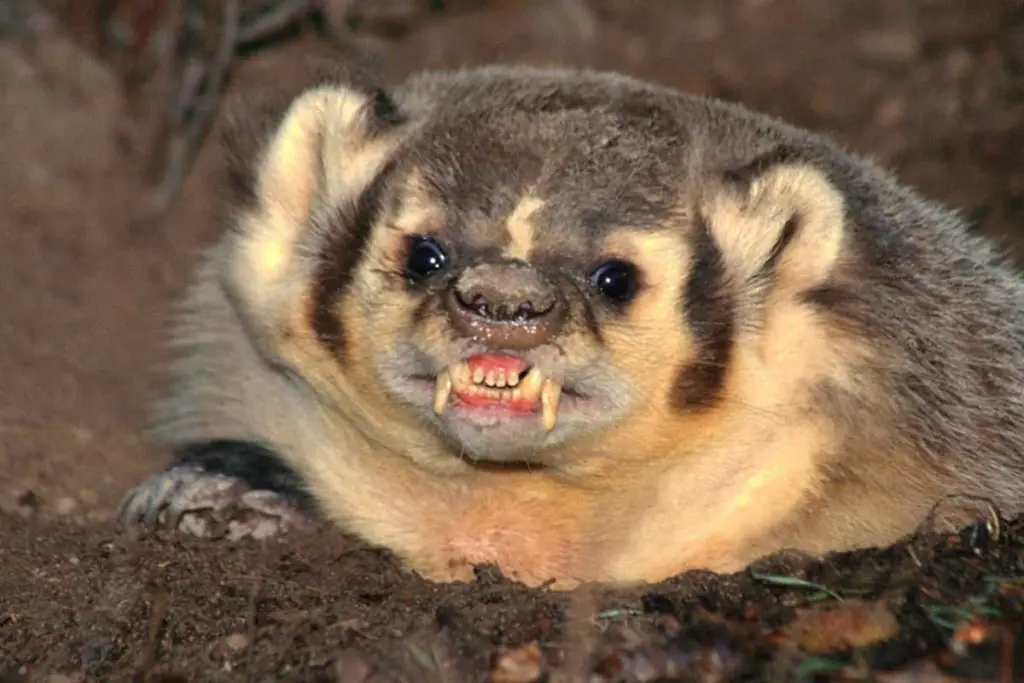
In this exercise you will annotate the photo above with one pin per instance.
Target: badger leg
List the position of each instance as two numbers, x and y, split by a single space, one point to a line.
232 489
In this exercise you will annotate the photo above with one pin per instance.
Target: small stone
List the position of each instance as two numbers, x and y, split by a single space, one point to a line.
236 642
520 665
354 624
83 434
352 666
65 506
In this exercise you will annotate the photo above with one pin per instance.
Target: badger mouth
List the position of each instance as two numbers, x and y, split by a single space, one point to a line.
499 381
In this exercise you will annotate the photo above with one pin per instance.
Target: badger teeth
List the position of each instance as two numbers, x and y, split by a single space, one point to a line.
550 395
442 390
528 389
531 385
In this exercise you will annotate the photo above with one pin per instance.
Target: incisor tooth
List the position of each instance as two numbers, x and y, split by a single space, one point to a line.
491 378
442 391
513 379
550 394
460 374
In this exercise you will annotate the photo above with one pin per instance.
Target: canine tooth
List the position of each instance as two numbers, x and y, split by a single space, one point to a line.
478 376
442 391
531 385
491 378
550 394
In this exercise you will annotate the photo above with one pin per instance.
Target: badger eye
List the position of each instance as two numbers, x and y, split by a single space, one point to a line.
426 257
615 280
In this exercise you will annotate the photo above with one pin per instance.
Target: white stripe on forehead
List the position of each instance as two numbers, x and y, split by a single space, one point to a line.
521 228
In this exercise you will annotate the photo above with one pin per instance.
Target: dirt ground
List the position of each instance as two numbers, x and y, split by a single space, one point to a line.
933 89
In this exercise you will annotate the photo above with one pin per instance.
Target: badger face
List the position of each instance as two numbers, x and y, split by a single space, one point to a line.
504 350
511 265
517 282
500 351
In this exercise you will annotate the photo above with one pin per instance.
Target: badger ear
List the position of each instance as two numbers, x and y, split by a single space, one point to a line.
249 125
779 217
250 122
314 163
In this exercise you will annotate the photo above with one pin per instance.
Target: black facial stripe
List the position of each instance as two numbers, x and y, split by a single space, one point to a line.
709 310
349 233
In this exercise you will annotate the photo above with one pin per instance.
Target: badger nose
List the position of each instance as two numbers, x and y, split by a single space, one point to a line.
508 305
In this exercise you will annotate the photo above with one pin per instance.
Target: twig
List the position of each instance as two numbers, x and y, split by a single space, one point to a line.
254 596
283 14
160 607
183 147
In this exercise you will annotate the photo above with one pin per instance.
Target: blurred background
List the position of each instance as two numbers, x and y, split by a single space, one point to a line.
110 111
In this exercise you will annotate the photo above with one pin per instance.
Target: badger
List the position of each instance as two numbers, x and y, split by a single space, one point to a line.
582 327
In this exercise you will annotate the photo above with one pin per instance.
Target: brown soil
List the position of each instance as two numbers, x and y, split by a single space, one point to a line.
932 89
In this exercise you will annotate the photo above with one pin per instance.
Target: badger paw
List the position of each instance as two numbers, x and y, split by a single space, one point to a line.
209 505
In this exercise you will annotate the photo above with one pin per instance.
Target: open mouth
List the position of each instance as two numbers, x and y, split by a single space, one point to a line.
499 381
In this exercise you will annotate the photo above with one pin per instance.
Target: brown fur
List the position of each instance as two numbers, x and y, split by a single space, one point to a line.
815 355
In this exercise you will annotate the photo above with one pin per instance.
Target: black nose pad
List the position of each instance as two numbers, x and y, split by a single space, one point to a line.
503 311
505 306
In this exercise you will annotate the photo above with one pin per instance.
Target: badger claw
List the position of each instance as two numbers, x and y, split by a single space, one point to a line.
208 505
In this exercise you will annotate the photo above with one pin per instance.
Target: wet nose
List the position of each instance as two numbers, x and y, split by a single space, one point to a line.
510 306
